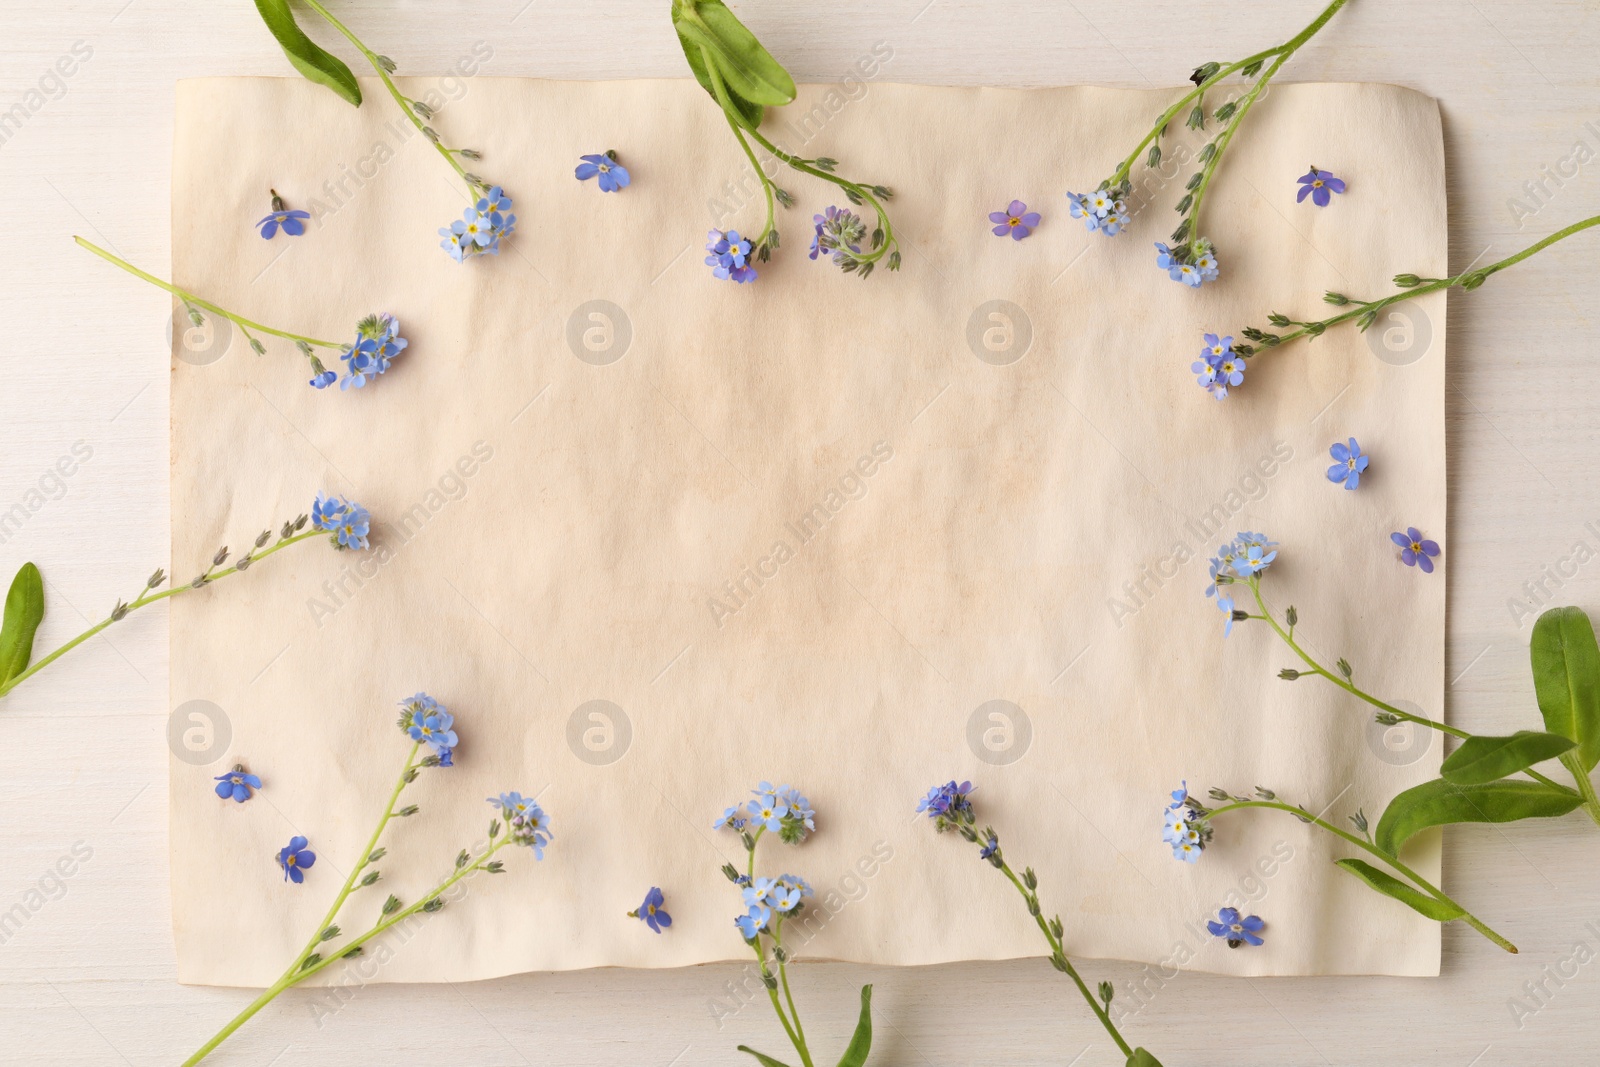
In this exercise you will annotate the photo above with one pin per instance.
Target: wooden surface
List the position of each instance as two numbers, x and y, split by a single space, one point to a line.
88 977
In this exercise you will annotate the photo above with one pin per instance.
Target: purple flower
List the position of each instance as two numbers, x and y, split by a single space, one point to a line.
1318 184
729 257
613 175
651 911
292 222
1348 463
237 784
840 231
1414 551
1016 220
945 800
1236 928
295 859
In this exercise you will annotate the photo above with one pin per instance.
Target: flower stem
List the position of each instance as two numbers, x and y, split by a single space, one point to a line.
856 189
1059 953
728 112
1367 310
1350 687
189 298
1366 846
400 98
147 597
794 1012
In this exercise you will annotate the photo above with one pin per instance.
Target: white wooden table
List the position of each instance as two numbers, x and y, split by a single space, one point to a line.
88 977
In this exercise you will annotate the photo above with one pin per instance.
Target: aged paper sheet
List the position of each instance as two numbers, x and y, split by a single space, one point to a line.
653 537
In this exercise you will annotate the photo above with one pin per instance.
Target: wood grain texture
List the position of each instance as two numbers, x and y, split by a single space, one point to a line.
88 979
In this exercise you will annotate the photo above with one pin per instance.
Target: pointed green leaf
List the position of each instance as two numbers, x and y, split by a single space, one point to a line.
1484 759
1141 1058
746 66
24 610
861 1042
1389 886
1566 676
308 57
1439 802
762 1058
747 115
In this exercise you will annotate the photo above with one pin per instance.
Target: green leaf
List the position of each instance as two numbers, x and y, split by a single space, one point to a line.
24 610
1389 886
1439 802
861 1041
308 57
747 67
1141 1058
746 114
762 1058
1566 676
1484 759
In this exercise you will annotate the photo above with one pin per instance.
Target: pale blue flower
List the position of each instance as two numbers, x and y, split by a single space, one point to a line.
613 175
526 822
349 523
430 723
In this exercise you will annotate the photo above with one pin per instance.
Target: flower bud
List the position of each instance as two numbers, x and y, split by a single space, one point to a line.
1407 281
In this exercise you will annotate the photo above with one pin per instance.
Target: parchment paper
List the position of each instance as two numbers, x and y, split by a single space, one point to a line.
858 536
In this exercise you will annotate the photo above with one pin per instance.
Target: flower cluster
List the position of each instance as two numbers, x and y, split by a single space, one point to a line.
613 175
426 721
1192 264
1243 558
481 227
1219 367
838 231
652 912
1015 220
948 805
373 352
526 822
349 523
1185 828
784 810
729 256
237 784
762 897
1101 210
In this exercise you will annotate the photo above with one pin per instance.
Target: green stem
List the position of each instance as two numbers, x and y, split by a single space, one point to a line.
1591 803
1366 846
400 98
794 1012
1059 952
189 298
805 167
146 598
728 112
1466 280
1349 687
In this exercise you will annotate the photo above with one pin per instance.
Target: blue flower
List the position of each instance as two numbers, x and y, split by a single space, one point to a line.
323 376
349 523
237 784
447 757
1225 605
767 809
799 807
1183 837
1252 552
1414 550
1015 220
1348 463
526 822
295 859
292 222
481 227
729 257
1100 211
377 343
946 801
990 849
732 818
753 921
1238 930
613 175
1317 184
1192 265
651 911
430 724
837 230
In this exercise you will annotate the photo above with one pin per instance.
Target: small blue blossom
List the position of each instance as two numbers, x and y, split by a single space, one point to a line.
1219 367
377 343
767 809
799 807
481 227
1100 211
1415 551
990 849
430 723
1193 265
1237 929
1317 184
753 921
651 911
732 818
237 784
295 859
349 523
323 377
1348 463
1246 556
1179 829
946 801
613 175
292 222
729 257
1016 220
526 822
794 889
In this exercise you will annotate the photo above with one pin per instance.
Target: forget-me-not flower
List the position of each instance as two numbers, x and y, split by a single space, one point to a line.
1236 928
651 911
1416 551
526 821
349 523
1348 463
613 175
1099 211
291 222
237 784
1318 184
428 722
729 256
295 859
1015 220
